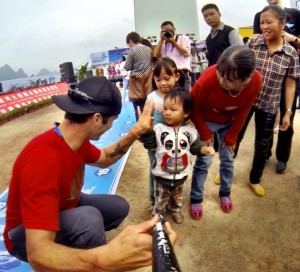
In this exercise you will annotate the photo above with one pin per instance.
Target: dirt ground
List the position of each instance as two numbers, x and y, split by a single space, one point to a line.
261 234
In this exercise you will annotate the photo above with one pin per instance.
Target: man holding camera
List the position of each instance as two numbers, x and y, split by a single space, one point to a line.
176 47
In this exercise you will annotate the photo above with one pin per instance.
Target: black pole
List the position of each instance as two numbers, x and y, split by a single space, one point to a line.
164 258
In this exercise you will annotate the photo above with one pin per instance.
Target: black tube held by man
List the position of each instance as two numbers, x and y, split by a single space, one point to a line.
164 258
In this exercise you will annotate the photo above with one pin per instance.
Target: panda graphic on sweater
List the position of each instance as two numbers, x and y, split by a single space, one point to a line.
175 159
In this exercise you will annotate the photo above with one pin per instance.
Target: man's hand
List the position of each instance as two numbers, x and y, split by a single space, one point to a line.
145 121
132 248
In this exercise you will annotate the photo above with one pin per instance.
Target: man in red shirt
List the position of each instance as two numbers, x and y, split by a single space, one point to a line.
49 222
222 99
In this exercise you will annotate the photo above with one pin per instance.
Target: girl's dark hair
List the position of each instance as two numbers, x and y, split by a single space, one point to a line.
236 62
82 118
147 43
184 97
134 36
278 12
170 67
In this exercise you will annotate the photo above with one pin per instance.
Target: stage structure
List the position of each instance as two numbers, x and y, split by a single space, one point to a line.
295 4
149 14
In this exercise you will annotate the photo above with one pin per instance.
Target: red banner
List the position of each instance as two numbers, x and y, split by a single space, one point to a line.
18 99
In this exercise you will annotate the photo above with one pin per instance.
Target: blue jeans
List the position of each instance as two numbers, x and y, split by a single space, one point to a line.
203 162
81 227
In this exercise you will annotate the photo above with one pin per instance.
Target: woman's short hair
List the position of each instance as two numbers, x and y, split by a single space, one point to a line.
236 62
278 12
133 36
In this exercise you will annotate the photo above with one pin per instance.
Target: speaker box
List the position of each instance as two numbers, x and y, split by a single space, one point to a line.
1 90
68 79
66 69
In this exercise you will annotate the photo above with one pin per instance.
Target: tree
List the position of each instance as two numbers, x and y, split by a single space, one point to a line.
82 72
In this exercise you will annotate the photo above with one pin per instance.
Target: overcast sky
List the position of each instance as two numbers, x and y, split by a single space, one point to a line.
39 34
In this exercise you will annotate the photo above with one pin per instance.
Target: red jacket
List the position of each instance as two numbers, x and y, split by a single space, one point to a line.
211 103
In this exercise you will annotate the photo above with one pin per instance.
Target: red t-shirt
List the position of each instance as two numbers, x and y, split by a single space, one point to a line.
47 178
210 103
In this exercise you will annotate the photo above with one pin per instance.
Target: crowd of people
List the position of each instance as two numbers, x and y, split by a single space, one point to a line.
49 219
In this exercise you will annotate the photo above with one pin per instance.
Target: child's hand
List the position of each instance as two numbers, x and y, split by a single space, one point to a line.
208 150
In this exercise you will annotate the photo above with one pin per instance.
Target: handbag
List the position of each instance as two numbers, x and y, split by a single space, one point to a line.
140 86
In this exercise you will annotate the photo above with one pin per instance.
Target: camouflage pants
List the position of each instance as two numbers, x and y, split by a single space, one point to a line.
167 198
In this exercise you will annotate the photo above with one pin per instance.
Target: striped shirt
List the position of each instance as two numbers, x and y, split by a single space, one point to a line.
139 60
274 68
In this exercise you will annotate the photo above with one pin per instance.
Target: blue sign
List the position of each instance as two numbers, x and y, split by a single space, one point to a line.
116 55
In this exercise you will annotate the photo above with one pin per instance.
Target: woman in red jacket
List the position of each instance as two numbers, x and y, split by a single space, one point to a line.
222 99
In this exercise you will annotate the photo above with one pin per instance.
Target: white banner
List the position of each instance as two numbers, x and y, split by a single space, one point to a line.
99 58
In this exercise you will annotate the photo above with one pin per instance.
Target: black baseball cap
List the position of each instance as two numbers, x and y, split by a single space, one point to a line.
91 95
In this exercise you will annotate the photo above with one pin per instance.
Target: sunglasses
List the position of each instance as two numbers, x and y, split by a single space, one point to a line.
80 96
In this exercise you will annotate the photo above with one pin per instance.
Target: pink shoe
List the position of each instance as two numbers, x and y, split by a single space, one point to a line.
226 204
196 210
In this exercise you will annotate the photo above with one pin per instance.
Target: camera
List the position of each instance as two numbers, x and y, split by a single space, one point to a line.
169 34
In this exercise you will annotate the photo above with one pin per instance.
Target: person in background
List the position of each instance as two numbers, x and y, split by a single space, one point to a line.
125 75
149 44
245 40
50 223
291 34
278 62
139 63
174 142
198 63
177 47
221 36
222 99
165 77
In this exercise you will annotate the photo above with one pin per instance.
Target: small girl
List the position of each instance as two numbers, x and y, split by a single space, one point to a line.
174 142
165 77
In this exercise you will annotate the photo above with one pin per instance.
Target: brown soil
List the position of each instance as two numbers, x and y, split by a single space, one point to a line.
261 234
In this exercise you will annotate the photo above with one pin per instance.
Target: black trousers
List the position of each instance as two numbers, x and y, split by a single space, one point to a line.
284 142
264 129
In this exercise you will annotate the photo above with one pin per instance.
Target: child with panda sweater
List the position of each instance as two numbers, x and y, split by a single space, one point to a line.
174 143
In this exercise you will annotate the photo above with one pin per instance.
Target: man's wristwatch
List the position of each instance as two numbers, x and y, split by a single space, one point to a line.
289 110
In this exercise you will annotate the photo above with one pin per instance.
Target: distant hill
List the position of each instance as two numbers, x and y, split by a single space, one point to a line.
46 72
7 73
20 73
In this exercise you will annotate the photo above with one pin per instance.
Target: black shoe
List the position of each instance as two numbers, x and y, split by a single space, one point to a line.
281 167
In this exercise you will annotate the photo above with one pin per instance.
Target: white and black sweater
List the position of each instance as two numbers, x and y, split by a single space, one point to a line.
173 148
